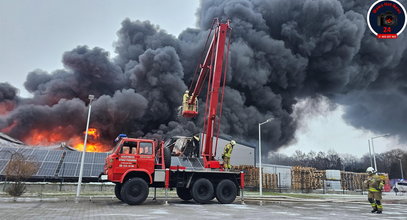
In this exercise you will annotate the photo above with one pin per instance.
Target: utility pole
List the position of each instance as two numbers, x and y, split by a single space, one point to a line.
370 153
78 189
374 154
260 166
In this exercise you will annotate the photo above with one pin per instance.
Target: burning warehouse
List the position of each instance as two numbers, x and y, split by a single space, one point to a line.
61 162
55 163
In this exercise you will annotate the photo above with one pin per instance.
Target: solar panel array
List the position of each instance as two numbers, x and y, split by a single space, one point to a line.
66 164
56 163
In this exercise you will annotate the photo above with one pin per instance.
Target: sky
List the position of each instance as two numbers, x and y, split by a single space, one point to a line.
328 131
35 34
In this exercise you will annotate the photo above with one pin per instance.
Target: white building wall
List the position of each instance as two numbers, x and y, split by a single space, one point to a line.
284 173
242 154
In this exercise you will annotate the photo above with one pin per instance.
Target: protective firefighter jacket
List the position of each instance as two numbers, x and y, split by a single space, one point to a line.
228 150
374 183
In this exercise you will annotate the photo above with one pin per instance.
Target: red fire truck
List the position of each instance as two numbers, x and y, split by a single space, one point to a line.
135 164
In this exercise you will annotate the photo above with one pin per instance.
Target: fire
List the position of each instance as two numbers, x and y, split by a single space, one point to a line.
38 137
91 147
57 135
93 144
93 132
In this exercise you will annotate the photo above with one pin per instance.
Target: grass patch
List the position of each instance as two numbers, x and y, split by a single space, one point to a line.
294 195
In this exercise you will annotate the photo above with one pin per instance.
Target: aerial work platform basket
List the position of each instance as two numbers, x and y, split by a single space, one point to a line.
189 110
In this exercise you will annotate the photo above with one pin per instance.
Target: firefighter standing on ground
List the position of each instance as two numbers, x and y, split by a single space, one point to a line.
227 153
374 185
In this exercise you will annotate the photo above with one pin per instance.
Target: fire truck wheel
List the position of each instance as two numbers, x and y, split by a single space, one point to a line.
226 191
184 193
117 190
202 190
167 157
134 191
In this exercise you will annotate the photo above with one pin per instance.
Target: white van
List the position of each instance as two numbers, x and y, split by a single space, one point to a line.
401 186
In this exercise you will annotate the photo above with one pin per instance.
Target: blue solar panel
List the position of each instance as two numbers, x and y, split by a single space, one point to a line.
68 170
57 162
100 158
11 149
54 156
87 168
26 152
38 155
89 157
3 164
72 156
6 153
47 169
97 169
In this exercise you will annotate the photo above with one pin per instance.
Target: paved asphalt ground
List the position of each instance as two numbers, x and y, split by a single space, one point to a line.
338 207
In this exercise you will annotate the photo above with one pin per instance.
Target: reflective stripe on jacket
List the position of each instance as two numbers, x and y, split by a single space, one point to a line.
374 183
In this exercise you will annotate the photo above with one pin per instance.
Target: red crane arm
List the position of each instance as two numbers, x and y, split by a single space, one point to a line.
212 67
205 67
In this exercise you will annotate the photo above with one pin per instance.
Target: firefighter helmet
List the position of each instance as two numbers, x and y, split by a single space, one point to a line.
370 170
196 137
233 142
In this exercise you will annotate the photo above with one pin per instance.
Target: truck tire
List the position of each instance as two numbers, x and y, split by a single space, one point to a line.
184 193
167 157
134 191
117 190
202 191
226 191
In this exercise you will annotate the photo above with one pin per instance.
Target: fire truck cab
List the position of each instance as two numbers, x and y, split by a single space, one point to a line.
131 155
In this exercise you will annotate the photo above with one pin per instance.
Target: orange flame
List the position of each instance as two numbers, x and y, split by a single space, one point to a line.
92 145
37 137
93 132
57 135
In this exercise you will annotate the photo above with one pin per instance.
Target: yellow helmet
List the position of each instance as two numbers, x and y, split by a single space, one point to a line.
233 142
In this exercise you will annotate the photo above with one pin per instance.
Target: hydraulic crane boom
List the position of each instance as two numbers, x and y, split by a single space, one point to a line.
211 68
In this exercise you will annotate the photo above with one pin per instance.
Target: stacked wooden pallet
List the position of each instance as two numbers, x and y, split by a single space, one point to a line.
358 179
270 181
301 177
348 180
318 180
306 178
251 177
352 181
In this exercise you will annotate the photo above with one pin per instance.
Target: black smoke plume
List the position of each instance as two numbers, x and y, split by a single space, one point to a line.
282 51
